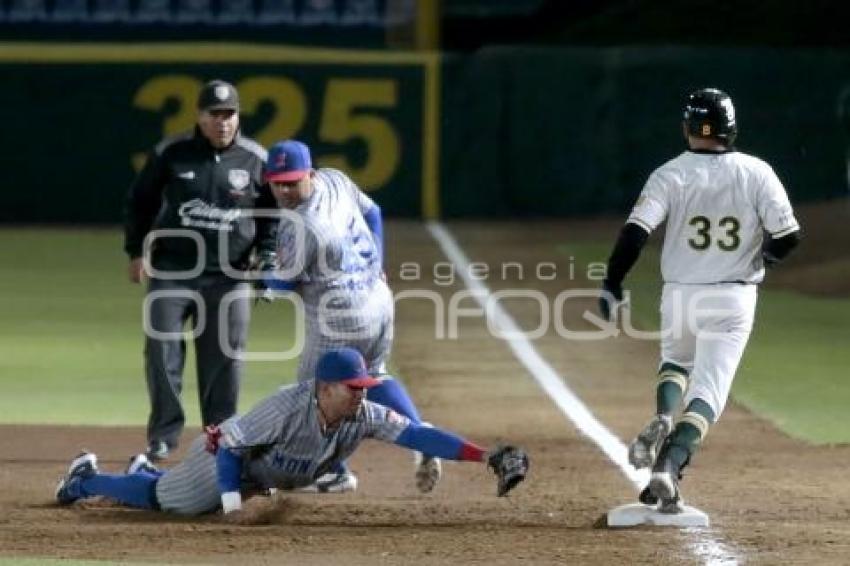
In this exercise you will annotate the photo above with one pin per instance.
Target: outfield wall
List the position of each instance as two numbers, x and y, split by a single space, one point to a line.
503 132
577 131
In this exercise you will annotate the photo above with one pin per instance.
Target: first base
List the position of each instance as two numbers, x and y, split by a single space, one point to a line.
635 514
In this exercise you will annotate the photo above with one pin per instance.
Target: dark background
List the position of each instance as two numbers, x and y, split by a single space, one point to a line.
547 108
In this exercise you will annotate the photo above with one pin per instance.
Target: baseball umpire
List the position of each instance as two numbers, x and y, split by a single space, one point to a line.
287 440
194 187
728 216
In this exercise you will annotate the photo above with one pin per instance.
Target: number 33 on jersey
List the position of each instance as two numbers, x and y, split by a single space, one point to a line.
717 207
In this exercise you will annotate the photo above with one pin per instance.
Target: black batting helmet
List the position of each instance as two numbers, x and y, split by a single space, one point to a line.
709 114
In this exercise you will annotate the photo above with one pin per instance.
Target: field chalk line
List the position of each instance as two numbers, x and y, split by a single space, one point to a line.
707 548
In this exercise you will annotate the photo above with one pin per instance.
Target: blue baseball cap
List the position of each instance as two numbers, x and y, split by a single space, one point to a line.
288 160
347 366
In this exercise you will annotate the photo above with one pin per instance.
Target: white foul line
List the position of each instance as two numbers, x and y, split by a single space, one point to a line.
707 548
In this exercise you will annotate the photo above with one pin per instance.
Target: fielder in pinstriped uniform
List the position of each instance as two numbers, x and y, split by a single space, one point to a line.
286 441
330 250
718 204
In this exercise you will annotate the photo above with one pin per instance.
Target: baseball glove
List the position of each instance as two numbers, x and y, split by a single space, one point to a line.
262 264
510 464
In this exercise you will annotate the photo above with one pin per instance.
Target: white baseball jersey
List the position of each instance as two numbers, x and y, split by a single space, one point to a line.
331 252
717 207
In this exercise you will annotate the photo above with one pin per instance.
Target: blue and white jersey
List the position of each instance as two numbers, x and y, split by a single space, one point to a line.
282 442
328 247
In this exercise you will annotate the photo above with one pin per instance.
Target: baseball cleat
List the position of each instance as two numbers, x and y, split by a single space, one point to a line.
332 482
157 451
429 470
140 463
82 467
646 497
644 449
664 486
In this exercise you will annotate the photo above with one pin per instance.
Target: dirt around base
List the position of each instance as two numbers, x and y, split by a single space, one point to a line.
771 499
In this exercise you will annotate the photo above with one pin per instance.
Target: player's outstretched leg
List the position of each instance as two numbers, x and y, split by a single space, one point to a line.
676 454
644 449
391 393
83 480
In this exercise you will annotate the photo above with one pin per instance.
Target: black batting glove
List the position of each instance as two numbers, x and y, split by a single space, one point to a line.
606 305
264 262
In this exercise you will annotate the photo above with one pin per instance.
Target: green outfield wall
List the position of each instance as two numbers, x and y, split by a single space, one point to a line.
577 131
502 132
80 118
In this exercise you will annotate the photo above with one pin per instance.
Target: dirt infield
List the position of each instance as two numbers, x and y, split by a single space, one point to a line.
772 499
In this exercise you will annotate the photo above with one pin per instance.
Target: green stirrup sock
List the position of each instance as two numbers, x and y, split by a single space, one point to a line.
673 380
690 430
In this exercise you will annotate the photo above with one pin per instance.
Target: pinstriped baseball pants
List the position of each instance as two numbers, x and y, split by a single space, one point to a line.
190 487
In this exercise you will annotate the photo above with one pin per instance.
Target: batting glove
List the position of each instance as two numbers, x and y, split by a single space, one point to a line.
610 299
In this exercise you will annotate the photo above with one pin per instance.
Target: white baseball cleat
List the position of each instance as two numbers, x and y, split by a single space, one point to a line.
140 463
644 449
429 470
82 467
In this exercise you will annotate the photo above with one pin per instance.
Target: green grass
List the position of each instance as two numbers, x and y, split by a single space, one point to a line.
71 340
71 336
794 371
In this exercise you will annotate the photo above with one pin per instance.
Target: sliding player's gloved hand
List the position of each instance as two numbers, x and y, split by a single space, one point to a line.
510 464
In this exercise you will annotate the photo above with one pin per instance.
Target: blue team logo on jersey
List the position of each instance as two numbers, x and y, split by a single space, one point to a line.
289 465
360 251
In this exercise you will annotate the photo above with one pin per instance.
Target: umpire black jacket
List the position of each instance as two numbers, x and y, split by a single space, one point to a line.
187 184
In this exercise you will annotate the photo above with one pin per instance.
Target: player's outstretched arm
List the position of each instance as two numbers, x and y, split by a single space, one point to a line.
510 464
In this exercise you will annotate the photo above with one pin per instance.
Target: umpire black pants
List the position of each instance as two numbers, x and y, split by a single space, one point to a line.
220 326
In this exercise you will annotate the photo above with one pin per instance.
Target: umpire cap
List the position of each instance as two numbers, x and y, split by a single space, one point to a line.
218 95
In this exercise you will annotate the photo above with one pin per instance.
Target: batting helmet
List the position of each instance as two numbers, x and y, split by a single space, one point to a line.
709 114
